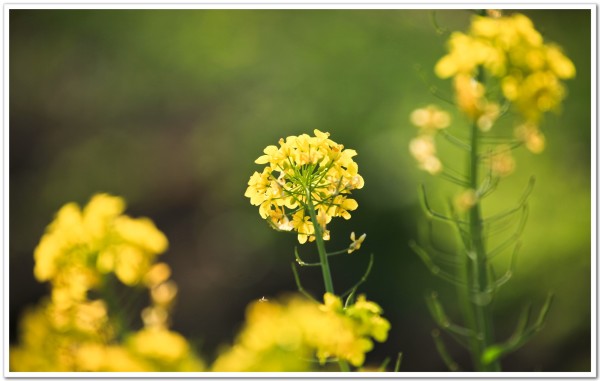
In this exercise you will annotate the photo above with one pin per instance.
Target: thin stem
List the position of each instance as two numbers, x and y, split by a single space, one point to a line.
320 244
299 284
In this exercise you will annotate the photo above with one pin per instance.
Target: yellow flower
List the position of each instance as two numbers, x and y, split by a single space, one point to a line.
489 113
70 330
159 344
131 264
157 274
537 93
367 314
305 169
342 205
501 160
533 138
356 243
155 316
304 227
141 232
558 63
99 236
430 118
469 95
466 54
423 150
164 293
510 49
93 357
331 303
284 335
91 316
257 186
363 319
99 213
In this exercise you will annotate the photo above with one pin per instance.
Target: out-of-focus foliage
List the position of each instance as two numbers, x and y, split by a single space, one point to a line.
169 108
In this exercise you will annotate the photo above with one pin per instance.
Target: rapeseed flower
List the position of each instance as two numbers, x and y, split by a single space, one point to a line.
285 335
430 120
501 161
98 237
356 243
305 172
511 50
78 328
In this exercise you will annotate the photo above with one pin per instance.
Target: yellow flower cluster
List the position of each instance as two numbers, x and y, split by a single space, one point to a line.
99 239
511 50
305 172
285 336
75 330
429 120
46 347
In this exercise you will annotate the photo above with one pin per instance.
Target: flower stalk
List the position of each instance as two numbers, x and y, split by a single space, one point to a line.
307 182
325 270
477 272
497 49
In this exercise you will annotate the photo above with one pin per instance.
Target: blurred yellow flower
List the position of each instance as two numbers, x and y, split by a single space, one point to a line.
511 49
531 135
284 336
157 274
164 293
430 118
501 161
424 151
101 236
465 200
159 344
74 329
94 357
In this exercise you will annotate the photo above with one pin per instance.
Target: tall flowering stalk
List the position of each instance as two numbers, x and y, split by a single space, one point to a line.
502 65
307 181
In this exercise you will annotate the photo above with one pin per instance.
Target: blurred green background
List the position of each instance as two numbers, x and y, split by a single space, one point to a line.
170 108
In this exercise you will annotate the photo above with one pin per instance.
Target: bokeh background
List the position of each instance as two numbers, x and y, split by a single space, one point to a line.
170 108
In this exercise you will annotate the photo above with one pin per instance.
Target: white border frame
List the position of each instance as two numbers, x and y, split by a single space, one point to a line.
270 4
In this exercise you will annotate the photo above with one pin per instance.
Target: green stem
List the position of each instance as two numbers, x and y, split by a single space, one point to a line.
344 366
320 244
479 300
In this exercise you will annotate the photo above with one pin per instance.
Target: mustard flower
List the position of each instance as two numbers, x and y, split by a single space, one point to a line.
501 161
430 118
74 329
159 344
510 49
284 335
356 243
305 172
530 134
423 149
98 235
